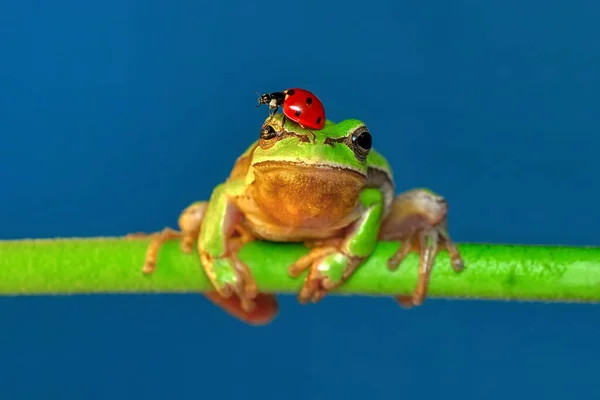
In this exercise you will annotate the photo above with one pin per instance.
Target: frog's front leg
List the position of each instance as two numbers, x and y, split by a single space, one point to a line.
419 220
332 262
218 247
192 219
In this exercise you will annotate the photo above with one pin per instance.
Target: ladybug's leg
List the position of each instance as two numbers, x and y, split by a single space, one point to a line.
314 137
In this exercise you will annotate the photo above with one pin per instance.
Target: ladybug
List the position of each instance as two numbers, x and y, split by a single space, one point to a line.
299 105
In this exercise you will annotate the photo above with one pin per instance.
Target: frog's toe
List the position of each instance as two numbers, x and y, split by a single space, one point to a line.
319 295
231 277
314 257
313 289
328 267
428 243
187 247
395 260
157 240
458 264
406 301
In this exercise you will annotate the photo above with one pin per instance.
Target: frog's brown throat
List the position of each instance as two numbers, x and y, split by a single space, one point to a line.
306 194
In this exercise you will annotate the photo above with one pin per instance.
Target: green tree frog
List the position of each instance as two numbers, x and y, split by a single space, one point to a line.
326 188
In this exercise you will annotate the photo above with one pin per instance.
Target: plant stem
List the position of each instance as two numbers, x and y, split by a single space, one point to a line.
113 265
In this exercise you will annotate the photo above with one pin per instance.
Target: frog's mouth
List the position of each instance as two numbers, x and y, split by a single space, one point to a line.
294 167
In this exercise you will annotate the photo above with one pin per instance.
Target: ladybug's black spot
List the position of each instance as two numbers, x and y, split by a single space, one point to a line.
291 92
298 112
318 120
309 100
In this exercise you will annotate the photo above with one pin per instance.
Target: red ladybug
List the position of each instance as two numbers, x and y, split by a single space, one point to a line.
299 105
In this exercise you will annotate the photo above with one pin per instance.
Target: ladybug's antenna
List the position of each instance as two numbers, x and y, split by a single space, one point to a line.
259 99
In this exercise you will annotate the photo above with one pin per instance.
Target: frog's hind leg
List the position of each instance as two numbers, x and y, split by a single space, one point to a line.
189 223
158 239
428 245
419 220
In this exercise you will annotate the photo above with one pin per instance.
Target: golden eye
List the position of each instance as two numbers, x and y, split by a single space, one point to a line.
268 132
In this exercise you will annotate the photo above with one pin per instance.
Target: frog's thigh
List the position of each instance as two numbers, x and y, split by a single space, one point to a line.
190 221
407 216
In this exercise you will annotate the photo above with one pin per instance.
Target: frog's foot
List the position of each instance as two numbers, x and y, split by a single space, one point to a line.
418 218
156 242
236 292
231 278
190 221
328 269
427 242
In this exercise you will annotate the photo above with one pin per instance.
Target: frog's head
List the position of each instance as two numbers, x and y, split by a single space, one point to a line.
317 175
343 146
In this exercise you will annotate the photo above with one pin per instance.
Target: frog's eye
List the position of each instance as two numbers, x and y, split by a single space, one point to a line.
363 139
361 143
268 132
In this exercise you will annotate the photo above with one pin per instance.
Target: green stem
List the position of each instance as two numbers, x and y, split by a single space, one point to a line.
113 265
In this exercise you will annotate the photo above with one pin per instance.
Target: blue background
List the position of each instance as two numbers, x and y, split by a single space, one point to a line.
115 115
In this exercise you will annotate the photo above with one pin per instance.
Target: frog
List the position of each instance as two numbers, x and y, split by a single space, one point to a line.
328 189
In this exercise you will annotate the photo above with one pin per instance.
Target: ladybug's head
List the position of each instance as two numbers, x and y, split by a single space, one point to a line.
274 99
264 99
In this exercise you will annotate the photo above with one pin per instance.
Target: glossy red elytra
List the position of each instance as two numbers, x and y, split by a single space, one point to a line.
299 105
